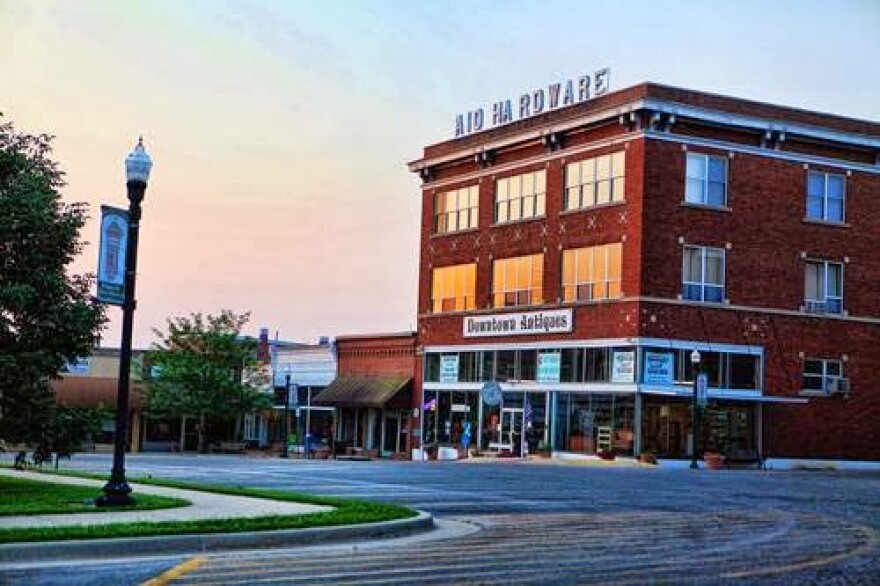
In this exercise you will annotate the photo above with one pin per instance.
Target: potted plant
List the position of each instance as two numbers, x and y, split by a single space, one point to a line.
713 460
543 450
647 457
606 454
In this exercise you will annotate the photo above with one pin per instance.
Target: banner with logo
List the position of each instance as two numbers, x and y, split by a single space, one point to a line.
111 255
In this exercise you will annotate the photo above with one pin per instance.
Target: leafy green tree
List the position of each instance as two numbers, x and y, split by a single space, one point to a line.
46 315
207 370
66 432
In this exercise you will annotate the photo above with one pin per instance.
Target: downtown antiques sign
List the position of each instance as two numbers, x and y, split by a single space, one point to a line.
532 103
518 324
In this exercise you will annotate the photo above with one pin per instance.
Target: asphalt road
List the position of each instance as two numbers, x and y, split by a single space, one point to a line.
538 524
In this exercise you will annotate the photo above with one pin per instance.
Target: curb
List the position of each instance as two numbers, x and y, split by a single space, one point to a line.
45 551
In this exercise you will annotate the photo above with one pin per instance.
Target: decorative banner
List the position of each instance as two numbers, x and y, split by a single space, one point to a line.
702 389
623 367
449 368
548 367
491 393
518 324
659 368
111 256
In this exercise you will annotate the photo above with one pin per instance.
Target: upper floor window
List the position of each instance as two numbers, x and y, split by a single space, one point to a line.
825 196
453 288
591 273
594 181
822 375
706 180
521 196
823 287
518 281
703 275
456 210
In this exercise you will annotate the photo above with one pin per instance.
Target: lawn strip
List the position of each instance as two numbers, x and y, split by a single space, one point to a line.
22 496
346 512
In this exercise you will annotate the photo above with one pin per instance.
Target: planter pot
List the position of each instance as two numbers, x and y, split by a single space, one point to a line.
648 459
606 455
714 461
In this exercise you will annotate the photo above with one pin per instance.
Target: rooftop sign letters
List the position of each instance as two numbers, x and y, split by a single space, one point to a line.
560 94
518 324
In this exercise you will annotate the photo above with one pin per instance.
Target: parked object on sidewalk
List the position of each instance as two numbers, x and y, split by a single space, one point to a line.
713 461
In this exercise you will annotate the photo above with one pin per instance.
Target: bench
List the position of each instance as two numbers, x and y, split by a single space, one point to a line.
230 447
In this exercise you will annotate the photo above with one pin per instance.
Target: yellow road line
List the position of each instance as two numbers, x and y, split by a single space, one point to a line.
176 572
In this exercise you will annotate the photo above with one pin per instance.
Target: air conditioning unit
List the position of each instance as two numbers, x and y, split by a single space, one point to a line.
816 306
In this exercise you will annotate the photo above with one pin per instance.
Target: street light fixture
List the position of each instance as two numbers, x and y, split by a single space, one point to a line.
137 172
695 410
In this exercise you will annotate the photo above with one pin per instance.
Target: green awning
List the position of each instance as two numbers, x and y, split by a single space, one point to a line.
362 391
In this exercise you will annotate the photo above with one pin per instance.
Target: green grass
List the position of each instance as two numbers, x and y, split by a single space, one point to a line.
19 496
345 512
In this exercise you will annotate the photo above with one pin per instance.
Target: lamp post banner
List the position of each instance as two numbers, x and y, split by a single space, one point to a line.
111 255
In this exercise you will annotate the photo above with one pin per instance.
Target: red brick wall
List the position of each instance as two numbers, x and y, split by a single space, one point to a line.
391 355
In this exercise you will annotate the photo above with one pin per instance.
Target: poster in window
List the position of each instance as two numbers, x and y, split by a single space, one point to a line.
548 367
659 368
623 367
449 368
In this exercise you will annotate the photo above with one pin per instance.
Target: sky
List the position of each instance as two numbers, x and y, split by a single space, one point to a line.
280 131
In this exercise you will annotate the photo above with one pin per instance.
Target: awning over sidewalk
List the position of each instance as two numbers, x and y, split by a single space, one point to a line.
365 392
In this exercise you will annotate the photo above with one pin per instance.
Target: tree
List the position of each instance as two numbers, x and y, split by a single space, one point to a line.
46 315
67 430
206 369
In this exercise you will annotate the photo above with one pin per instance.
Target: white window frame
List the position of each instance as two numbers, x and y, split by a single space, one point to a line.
604 280
821 305
538 195
703 283
827 379
705 181
577 189
825 177
471 212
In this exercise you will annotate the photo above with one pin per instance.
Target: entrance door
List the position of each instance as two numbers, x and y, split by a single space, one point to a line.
391 433
510 430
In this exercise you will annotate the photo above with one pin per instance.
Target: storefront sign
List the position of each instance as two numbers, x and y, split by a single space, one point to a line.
449 368
702 389
548 367
659 368
518 324
532 103
111 255
491 393
78 366
623 367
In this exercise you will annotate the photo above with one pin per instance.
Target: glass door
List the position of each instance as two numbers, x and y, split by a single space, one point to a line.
510 430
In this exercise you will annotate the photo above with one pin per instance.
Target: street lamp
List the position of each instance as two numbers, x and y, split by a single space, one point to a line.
695 410
137 172
284 432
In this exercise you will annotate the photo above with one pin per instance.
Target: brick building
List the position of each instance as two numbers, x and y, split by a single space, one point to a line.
580 255
372 394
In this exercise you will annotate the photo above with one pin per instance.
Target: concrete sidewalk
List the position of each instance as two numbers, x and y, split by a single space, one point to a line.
205 505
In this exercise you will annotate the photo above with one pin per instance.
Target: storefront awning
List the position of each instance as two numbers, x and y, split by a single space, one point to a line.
363 392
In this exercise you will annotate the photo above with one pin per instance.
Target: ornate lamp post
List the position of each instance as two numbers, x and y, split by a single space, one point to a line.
695 410
137 172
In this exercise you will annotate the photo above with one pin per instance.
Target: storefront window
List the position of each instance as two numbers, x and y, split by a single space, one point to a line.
469 367
745 372
597 367
506 366
528 363
571 368
488 360
587 423
432 368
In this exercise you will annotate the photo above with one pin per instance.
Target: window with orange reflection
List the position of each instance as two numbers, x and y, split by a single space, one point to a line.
518 281
456 210
453 288
592 272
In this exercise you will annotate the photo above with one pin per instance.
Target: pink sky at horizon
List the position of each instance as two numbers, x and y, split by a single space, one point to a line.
280 130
